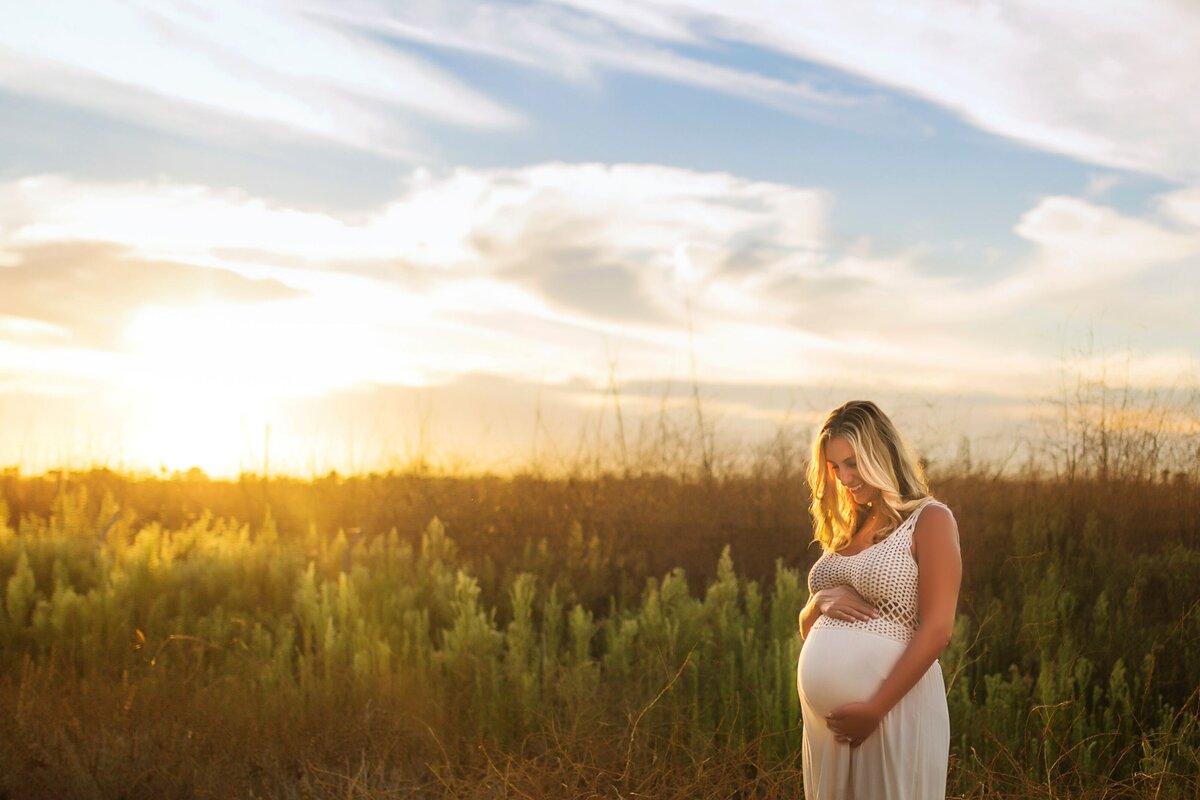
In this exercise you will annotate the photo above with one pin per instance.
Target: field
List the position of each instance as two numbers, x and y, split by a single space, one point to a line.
620 636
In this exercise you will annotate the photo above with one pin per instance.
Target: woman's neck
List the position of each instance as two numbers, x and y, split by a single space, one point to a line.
868 521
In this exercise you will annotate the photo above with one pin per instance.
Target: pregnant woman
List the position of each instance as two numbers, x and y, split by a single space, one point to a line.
881 609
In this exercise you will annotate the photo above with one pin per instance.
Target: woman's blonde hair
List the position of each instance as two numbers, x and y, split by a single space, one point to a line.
884 461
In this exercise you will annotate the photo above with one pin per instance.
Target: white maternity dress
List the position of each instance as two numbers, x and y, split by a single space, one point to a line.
905 758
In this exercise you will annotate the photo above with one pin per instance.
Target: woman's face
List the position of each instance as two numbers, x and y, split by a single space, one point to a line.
839 453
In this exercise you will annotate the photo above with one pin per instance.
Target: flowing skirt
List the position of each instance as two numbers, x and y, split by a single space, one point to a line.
905 758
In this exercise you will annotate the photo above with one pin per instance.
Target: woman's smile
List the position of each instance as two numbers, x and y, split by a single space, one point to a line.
858 490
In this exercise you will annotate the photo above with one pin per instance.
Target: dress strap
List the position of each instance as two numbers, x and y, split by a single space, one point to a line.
912 518
911 521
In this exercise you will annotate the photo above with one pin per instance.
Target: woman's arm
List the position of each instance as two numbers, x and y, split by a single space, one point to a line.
939 562
836 602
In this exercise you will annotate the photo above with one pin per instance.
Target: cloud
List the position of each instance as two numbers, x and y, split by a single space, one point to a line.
591 239
84 294
1090 82
1182 206
189 68
1084 248
1086 81
544 275
583 42
520 271
638 241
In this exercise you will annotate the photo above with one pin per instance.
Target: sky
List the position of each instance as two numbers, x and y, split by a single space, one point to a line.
300 236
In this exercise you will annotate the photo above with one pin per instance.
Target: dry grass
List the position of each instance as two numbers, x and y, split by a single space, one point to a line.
1079 561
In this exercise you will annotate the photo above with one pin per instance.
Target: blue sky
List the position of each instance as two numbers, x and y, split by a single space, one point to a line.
359 231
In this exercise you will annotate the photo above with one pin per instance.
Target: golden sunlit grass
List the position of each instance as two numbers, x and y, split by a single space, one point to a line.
421 635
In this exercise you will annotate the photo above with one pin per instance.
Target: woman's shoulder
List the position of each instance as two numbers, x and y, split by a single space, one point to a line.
935 506
935 518
928 506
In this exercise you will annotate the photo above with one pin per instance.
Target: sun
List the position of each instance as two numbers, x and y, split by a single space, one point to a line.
205 383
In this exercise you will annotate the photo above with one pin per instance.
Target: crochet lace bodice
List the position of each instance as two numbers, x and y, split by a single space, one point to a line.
885 574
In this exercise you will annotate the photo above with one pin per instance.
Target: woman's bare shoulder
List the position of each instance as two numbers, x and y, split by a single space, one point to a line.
935 522
937 507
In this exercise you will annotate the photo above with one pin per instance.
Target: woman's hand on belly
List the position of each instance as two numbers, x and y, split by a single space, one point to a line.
842 602
853 722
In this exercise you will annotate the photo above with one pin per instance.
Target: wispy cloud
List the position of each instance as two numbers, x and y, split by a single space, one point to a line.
583 44
1091 82
1085 81
188 68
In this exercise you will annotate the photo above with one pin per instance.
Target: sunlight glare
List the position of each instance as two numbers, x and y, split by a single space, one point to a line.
210 379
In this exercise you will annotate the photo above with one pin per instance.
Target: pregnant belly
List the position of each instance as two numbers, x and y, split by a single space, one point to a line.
842 665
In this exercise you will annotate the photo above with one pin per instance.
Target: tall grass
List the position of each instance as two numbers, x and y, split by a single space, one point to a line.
422 636
217 654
